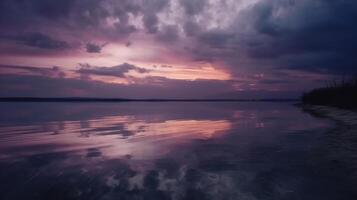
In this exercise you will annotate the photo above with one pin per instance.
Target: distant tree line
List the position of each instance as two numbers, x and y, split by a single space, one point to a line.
338 93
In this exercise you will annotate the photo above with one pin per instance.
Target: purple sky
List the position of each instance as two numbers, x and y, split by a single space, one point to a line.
174 48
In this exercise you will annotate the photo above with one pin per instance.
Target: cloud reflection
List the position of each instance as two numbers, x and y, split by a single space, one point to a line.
165 151
115 136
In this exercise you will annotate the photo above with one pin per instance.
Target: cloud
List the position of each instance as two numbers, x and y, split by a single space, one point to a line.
150 18
273 35
88 17
128 44
307 35
39 40
94 48
54 71
168 33
149 87
151 23
193 7
22 12
191 28
35 81
18 85
244 37
117 71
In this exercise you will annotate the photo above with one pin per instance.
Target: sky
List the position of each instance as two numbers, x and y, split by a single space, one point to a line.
174 48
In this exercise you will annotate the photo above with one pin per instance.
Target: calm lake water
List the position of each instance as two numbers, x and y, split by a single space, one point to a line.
171 150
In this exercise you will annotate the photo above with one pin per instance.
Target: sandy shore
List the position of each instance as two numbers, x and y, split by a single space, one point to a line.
341 143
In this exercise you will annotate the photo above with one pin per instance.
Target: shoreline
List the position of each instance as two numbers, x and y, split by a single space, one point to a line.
343 117
340 143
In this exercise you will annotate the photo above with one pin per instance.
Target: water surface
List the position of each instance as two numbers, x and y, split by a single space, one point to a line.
158 150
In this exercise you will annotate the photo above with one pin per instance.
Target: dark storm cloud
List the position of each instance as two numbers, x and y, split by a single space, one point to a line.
25 13
191 28
77 20
306 35
151 23
168 33
40 11
38 40
150 11
315 36
217 45
217 39
94 48
193 7
265 37
54 71
73 16
118 71
85 70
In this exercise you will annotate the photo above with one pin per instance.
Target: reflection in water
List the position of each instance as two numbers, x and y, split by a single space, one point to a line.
165 151
115 136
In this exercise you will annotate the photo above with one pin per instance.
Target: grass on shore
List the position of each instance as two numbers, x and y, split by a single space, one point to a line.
342 94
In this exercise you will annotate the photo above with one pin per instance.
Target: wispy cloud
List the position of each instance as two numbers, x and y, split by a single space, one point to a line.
117 71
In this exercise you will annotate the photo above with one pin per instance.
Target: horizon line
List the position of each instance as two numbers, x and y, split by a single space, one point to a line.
98 99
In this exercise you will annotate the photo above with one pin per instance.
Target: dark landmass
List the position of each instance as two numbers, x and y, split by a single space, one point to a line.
79 99
341 95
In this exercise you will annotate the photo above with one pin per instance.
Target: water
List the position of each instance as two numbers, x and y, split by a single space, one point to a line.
167 150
